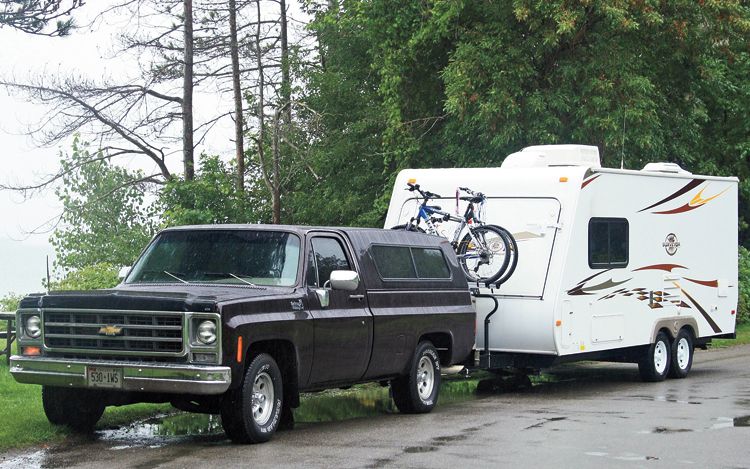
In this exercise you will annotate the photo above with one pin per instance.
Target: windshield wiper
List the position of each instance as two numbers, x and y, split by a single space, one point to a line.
242 280
175 277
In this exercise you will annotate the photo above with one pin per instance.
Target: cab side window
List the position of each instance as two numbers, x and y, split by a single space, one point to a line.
328 255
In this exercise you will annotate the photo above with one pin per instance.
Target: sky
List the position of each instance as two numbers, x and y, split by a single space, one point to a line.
87 52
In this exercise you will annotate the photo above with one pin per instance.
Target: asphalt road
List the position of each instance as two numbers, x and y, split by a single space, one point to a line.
594 415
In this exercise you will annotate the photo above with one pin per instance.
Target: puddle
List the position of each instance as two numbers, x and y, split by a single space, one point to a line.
726 422
622 457
335 405
666 430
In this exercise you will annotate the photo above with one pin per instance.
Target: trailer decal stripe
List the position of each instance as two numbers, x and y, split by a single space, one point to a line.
665 267
691 185
703 312
707 283
588 181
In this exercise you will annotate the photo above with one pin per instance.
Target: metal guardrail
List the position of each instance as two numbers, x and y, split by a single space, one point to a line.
9 334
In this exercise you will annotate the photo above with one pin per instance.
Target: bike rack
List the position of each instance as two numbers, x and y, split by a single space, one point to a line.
475 293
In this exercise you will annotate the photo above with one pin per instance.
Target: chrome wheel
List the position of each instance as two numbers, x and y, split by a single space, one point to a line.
425 377
263 397
661 357
683 353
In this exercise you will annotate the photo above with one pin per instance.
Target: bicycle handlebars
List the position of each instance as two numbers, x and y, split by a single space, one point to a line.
425 194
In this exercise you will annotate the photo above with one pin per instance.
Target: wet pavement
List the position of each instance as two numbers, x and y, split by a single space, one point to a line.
583 415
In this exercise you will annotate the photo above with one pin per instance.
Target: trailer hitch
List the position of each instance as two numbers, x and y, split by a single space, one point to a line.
475 293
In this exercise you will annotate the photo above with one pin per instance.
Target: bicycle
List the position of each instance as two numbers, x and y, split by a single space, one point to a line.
486 253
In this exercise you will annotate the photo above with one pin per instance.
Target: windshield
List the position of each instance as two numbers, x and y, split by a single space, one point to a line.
233 257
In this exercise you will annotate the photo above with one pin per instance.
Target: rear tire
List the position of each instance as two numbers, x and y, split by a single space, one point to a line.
412 227
76 408
481 263
682 354
417 392
252 412
655 365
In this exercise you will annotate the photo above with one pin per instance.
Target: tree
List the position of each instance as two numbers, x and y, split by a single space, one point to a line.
106 218
33 16
464 83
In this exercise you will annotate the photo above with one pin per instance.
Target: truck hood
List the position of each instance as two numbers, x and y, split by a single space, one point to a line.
162 297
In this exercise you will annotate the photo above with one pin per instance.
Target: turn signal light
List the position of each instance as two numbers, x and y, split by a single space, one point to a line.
563 179
733 312
412 180
31 351
239 349
558 323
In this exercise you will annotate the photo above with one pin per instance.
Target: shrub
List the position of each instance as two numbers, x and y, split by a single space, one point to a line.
743 304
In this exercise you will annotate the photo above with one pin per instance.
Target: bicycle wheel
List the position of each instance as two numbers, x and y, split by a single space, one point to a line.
513 250
485 256
409 227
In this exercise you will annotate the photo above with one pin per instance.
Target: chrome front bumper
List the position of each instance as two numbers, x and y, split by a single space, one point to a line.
138 377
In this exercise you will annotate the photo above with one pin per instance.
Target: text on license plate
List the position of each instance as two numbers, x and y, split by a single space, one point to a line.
103 377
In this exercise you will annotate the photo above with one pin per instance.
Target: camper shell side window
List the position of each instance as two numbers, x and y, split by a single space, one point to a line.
409 263
608 243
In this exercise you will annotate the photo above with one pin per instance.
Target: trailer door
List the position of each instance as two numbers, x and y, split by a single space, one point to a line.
534 223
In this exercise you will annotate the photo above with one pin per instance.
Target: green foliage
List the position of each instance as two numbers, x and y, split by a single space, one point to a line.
463 83
743 306
90 277
106 217
9 302
212 197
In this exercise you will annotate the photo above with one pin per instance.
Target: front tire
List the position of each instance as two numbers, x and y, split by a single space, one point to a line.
655 365
79 409
682 355
251 413
417 392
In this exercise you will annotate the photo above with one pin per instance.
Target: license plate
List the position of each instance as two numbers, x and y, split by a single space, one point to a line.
103 377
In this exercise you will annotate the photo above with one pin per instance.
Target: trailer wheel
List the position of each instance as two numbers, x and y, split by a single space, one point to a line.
682 354
252 412
78 409
417 392
655 365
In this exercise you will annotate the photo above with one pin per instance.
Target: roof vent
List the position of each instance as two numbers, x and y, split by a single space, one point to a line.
541 156
661 167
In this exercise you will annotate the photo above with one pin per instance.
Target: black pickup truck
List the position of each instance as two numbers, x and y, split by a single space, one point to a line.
239 319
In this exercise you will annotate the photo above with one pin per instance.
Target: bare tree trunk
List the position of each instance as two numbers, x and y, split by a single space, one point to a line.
272 181
187 95
238 118
286 84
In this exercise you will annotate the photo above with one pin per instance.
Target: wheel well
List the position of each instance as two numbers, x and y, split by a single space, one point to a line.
443 343
285 355
667 332
690 329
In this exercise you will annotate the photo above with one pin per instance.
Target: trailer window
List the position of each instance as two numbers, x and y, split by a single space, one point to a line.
608 243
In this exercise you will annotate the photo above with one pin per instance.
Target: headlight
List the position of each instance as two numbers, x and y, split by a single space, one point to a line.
207 332
33 327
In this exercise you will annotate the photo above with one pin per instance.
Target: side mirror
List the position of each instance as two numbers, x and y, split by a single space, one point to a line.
344 280
124 271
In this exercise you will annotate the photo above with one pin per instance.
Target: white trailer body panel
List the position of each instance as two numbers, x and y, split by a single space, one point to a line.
681 266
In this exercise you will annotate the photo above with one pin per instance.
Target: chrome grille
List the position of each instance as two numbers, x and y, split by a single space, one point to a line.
142 332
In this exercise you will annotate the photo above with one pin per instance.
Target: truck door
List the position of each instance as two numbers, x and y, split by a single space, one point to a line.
343 328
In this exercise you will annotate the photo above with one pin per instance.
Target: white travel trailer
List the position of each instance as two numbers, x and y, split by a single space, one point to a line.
614 264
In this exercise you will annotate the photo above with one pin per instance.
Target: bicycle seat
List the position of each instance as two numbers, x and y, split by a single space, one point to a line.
476 200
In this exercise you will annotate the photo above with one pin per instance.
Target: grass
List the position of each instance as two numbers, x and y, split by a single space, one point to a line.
22 419
743 337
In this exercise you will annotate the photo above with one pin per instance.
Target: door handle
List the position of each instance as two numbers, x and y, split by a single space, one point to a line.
357 297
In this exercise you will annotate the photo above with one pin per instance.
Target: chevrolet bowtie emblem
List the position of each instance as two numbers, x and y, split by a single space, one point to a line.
110 331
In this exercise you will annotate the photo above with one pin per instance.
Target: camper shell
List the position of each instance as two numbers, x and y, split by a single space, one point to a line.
608 258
